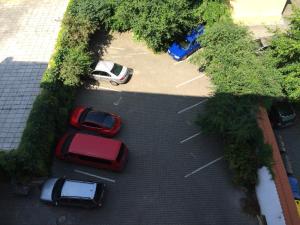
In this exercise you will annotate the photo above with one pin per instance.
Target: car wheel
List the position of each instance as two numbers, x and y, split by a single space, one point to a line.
114 83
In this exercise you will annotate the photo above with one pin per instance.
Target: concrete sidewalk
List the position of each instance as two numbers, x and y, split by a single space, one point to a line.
28 34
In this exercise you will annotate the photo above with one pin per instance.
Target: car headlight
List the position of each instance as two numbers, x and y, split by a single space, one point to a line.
176 57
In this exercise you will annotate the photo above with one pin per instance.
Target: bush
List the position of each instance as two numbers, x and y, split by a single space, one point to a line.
160 23
76 63
286 52
243 80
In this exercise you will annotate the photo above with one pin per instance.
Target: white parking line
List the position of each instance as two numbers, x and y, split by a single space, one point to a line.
118 101
93 175
192 106
117 48
176 63
202 167
129 55
195 135
138 53
188 81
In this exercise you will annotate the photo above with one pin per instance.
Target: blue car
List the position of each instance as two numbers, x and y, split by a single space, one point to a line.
189 45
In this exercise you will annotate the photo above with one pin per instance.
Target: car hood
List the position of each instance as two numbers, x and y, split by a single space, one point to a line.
176 50
46 194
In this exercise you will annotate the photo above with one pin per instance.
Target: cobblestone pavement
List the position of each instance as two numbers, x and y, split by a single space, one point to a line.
28 32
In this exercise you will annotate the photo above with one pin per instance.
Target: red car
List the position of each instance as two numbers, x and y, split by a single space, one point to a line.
92 150
104 123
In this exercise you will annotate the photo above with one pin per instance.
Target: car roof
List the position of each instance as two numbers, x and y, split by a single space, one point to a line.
195 33
73 188
104 65
94 146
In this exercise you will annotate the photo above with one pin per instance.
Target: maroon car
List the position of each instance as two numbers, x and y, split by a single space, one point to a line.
104 123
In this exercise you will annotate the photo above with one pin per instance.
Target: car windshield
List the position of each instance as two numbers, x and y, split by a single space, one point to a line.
101 118
116 69
184 44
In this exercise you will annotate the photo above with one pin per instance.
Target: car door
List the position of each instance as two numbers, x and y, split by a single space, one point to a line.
100 75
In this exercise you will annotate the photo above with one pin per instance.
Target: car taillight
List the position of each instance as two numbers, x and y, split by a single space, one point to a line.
122 78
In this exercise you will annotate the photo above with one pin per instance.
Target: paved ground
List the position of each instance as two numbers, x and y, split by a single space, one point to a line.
158 107
27 36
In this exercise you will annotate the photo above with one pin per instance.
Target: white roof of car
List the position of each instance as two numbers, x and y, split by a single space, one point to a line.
73 188
104 65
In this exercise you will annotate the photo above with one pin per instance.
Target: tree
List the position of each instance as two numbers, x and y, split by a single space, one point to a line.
285 49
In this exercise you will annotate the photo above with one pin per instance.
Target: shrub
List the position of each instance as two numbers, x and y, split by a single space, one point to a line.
243 80
76 63
286 53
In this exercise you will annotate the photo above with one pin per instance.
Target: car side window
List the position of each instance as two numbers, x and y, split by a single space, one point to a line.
102 73
90 124
96 72
95 160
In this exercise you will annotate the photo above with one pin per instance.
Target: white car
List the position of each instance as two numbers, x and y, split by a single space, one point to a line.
113 72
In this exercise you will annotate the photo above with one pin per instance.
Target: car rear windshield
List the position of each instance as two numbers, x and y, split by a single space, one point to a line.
100 118
66 144
83 115
57 188
116 69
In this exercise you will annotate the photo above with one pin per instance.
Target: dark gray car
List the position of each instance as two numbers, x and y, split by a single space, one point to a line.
61 191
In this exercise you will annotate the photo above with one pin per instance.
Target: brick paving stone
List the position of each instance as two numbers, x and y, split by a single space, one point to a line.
28 33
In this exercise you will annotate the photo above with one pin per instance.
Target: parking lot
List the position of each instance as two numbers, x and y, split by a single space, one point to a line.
175 175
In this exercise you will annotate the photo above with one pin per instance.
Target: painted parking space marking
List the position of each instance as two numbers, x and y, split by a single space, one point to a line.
192 106
118 101
116 48
189 81
93 175
129 55
202 167
176 63
189 138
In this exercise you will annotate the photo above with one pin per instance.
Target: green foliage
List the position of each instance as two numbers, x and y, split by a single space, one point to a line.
76 63
159 23
156 22
243 80
286 52
214 11
230 58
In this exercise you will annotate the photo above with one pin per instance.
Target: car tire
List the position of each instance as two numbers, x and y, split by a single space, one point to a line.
114 83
